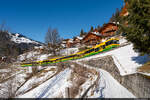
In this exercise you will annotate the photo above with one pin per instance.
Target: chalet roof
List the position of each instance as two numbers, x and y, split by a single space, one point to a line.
80 38
70 40
94 33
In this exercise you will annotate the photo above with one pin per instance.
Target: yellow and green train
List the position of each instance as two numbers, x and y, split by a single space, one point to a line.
105 46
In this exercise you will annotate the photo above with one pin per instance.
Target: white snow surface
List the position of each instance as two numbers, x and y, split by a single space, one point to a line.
79 37
18 39
125 58
27 55
123 41
108 87
50 88
69 51
96 33
43 57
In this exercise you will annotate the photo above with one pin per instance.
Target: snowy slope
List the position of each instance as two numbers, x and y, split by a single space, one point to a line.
107 87
125 58
51 87
17 38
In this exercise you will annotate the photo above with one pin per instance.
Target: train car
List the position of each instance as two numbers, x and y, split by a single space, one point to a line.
105 46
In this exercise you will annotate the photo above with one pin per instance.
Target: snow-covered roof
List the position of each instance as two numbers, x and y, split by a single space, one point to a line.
79 37
64 42
70 40
96 33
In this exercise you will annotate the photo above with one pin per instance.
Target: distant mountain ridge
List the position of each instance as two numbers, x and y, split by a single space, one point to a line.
14 44
19 38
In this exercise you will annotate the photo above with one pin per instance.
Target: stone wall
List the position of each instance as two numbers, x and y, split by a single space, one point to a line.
135 83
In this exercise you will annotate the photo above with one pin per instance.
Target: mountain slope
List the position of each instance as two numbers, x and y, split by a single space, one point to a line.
14 44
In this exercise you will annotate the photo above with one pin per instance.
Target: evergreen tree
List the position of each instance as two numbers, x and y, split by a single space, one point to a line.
116 16
82 32
92 29
98 27
138 29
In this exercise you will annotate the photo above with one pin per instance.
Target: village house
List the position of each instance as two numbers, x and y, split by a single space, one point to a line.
92 38
77 41
67 43
108 30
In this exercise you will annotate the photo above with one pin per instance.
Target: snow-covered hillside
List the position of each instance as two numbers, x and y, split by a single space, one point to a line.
17 38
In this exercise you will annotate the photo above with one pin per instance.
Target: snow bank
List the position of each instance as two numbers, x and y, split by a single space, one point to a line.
69 51
123 41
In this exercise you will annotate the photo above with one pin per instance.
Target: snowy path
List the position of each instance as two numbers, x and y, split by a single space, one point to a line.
48 88
108 87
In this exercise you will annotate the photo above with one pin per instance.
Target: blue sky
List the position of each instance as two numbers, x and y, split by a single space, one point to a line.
33 17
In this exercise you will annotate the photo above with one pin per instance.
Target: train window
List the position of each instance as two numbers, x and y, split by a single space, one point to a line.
70 56
92 50
45 61
97 49
103 46
109 42
115 41
86 52
67 57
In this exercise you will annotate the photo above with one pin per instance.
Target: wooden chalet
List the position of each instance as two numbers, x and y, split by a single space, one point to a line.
92 38
67 43
108 30
77 41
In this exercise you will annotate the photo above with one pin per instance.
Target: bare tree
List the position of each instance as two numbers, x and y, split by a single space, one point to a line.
52 39
52 36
